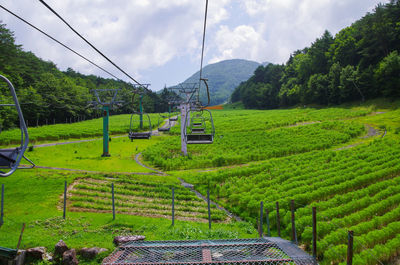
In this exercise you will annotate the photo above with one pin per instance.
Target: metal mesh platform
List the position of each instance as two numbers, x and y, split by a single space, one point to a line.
232 251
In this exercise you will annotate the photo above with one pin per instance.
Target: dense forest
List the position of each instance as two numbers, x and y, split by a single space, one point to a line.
48 95
361 62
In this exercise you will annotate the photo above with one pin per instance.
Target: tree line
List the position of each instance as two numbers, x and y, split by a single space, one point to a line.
361 62
48 95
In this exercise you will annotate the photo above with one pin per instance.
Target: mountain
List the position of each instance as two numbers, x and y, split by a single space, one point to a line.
223 77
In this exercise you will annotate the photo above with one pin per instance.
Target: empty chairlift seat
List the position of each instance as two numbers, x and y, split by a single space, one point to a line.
166 127
8 157
199 138
201 127
139 135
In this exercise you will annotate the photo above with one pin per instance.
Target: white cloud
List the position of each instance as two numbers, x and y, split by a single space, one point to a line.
241 42
288 25
137 35
144 36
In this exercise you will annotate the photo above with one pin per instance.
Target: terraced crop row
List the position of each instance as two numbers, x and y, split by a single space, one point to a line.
234 147
355 189
144 198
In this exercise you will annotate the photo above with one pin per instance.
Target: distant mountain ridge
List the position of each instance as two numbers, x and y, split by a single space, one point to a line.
223 77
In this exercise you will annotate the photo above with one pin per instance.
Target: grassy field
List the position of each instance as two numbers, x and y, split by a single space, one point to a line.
335 159
118 124
40 207
247 135
87 155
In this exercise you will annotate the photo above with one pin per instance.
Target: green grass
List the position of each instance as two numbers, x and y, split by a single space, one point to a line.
118 124
252 135
267 156
39 206
87 155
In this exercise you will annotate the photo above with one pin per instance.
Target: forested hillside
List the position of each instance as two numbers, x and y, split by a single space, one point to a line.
223 77
361 62
48 95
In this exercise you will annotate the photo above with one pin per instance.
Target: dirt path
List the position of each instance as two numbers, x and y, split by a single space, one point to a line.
166 125
100 172
372 132
137 159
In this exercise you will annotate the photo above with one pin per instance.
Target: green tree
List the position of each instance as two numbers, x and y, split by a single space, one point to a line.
388 75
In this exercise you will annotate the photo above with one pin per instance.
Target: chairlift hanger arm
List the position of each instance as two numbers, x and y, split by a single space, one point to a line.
24 133
100 102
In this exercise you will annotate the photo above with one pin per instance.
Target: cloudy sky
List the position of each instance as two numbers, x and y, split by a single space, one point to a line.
159 41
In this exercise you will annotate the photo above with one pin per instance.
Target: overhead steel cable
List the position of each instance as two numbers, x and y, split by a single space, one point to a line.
91 45
62 44
204 37
202 56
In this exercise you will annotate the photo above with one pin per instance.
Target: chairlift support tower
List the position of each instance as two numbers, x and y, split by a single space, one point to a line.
105 107
141 90
189 89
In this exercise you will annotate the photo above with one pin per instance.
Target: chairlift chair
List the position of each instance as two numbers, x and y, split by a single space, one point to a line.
197 131
197 124
11 158
173 118
139 135
161 118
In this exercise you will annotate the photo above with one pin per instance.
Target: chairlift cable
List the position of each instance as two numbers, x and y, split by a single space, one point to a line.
62 44
202 50
91 45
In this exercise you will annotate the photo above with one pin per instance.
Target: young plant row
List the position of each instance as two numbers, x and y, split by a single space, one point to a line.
237 147
139 197
353 189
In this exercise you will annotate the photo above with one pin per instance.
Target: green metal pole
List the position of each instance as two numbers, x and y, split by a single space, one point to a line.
141 112
105 131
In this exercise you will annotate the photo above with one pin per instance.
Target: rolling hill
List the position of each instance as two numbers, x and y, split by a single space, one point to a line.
223 77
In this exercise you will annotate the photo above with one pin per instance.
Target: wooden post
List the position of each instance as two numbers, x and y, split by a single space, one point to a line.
2 205
278 219
65 199
294 235
350 248
209 210
20 236
113 201
261 219
173 206
314 231
267 217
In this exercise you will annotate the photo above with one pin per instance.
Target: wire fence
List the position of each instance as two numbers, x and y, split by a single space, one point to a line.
234 251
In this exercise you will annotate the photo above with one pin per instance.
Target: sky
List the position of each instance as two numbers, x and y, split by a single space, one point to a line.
159 41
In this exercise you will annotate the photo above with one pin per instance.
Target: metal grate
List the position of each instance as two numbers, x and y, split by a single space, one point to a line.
233 251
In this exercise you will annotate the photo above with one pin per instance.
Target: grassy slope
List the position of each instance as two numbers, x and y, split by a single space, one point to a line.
118 124
355 188
86 156
39 206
